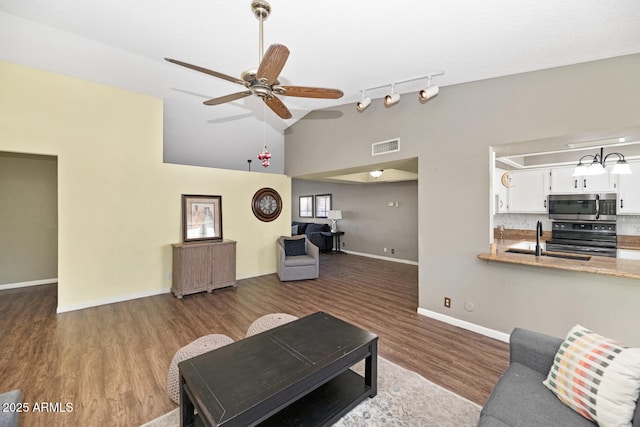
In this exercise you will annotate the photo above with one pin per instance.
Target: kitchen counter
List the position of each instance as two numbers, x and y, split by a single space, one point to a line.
623 266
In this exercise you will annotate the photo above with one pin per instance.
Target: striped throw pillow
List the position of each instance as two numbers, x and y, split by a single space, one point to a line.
596 377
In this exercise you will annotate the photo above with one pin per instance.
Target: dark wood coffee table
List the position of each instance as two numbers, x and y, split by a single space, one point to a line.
295 375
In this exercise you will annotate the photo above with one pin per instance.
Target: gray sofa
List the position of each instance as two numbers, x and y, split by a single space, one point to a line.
9 408
316 233
520 399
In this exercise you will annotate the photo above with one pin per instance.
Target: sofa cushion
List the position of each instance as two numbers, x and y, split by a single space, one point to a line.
596 377
8 417
520 399
299 261
294 230
314 228
302 226
294 247
489 421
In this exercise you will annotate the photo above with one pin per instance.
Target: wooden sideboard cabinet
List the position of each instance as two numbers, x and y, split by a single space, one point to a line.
201 267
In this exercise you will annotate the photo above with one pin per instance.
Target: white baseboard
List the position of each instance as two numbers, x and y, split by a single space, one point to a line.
402 261
112 300
25 284
491 333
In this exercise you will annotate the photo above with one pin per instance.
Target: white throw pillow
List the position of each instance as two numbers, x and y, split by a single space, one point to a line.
596 377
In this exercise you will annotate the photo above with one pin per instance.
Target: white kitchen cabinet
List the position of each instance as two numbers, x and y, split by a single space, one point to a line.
629 191
528 191
563 181
499 192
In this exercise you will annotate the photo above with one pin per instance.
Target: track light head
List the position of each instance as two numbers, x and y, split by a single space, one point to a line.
363 104
428 93
391 99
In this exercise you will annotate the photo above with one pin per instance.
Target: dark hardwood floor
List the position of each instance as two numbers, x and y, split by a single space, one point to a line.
110 362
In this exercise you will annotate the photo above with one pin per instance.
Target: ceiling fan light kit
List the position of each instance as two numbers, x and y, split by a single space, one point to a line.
263 83
394 97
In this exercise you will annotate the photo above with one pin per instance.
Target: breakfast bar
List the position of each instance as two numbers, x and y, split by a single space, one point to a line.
626 265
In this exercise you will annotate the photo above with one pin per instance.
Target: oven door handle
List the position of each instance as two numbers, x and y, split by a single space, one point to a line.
597 206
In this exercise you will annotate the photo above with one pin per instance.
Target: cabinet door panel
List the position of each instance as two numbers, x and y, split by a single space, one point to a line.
499 192
629 191
528 192
563 181
224 265
599 183
192 269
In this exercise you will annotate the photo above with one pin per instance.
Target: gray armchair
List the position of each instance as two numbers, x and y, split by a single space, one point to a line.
297 258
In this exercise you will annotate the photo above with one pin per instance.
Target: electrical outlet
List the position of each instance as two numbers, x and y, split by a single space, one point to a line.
447 302
393 251
384 250
169 275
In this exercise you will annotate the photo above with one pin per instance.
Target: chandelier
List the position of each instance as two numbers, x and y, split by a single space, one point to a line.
597 165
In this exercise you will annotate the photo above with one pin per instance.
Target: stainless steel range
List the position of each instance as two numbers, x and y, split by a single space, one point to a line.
593 238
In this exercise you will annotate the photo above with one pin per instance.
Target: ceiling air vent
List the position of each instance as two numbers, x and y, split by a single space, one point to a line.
385 147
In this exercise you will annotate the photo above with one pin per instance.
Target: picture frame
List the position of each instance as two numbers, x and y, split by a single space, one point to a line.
201 218
305 207
322 205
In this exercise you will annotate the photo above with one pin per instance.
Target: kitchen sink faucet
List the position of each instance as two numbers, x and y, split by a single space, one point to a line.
538 235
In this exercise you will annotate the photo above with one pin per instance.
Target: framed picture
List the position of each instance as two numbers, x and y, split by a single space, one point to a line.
306 207
323 205
201 218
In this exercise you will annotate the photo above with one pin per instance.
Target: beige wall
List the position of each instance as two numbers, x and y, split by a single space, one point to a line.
28 219
451 136
118 204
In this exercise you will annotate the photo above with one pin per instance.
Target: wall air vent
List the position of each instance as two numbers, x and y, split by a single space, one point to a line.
385 147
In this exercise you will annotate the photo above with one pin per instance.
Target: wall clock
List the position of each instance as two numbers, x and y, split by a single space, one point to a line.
266 204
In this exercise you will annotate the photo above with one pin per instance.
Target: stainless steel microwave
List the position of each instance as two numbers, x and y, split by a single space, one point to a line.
588 207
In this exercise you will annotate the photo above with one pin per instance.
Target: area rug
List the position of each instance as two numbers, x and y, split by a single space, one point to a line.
404 399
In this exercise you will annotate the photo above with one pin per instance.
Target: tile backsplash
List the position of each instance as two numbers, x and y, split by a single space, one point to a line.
628 225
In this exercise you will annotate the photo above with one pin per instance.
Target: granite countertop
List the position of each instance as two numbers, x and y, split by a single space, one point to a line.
623 266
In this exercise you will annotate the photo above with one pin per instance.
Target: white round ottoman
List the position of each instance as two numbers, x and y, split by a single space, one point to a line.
269 321
193 349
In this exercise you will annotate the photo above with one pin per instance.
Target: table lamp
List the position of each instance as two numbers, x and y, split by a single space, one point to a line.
334 216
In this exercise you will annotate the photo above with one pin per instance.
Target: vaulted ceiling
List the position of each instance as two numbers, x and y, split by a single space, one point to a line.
348 45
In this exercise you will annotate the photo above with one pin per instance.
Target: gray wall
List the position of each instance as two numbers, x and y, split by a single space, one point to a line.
369 224
28 218
451 136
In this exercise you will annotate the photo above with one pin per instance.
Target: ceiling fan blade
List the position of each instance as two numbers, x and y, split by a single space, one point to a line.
206 71
310 92
272 63
278 107
227 98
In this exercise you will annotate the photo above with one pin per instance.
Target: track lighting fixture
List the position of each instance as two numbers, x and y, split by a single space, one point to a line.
429 92
363 103
393 98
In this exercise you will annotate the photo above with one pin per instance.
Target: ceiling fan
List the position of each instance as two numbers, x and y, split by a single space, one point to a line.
263 82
